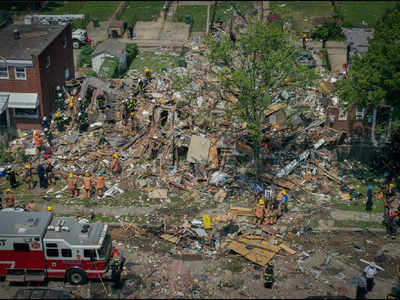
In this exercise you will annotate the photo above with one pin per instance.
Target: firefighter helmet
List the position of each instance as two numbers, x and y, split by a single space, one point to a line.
70 175
59 95
27 166
44 118
79 99
283 192
115 155
261 201
58 115
391 185
46 129
8 191
86 174
147 70
49 208
79 114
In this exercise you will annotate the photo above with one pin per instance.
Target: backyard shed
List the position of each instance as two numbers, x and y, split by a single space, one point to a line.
109 48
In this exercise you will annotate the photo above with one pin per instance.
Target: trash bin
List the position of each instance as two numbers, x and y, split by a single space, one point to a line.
188 19
96 23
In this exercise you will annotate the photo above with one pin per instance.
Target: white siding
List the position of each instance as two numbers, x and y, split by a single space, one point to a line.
98 60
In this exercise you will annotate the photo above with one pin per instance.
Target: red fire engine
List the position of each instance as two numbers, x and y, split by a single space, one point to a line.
37 245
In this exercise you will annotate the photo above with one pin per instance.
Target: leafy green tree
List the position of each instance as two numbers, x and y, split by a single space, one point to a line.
257 65
374 79
328 31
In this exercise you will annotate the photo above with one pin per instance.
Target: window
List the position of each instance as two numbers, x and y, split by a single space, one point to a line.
65 42
66 252
4 72
52 252
89 253
342 115
26 113
21 247
48 62
20 73
51 245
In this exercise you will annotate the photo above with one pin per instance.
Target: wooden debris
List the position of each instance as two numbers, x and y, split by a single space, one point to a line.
242 211
287 249
169 238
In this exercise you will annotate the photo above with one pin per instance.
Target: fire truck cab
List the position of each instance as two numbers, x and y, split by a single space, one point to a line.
37 245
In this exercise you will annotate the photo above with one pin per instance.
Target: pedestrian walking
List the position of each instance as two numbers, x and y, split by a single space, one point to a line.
370 200
370 272
361 287
130 30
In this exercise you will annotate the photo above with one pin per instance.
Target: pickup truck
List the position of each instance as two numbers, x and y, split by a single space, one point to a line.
79 38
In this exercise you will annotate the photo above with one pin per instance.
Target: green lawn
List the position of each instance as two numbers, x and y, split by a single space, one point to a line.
101 10
358 224
154 61
199 14
302 12
225 10
355 12
142 11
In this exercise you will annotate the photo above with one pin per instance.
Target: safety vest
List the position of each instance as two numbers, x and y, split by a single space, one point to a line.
259 211
71 184
36 141
99 182
87 183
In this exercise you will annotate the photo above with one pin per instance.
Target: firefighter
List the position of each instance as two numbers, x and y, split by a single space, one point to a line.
115 164
72 185
10 199
268 212
101 102
83 122
131 121
147 74
11 177
269 276
49 136
42 176
49 208
87 184
115 263
275 206
284 202
71 105
45 122
28 176
60 123
131 105
49 173
60 101
142 85
37 142
100 184
259 211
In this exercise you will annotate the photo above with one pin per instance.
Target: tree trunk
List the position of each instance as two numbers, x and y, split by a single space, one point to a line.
373 125
323 43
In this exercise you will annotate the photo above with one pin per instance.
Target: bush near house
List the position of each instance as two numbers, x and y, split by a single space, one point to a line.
85 56
109 68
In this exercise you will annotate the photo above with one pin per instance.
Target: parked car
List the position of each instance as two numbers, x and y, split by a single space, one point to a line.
42 293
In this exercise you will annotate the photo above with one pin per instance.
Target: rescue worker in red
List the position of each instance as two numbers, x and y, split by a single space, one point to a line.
10 199
259 211
100 184
87 184
72 185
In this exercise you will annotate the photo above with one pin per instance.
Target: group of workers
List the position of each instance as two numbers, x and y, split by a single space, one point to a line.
269 208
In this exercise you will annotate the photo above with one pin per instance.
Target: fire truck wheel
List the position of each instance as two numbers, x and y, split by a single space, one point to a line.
77 277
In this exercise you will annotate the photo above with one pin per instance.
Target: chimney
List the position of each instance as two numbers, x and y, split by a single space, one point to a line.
16 34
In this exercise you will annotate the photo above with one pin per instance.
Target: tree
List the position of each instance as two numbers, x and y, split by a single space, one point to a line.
374 79
330 30
257 65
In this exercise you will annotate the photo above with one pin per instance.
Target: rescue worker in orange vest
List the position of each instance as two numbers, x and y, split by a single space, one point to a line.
259 211
10 199
268 212
115 164
100 184
72 185
87 184
37 142
28 176
31 206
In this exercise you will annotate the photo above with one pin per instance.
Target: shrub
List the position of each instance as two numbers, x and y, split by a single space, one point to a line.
85 56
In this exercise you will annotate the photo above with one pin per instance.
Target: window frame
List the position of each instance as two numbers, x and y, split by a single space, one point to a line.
48 61
8 73
26 246
68 250
52 249
16 115
16 72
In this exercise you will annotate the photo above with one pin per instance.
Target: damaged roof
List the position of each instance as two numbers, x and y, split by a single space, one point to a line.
111 47
33 40
357 39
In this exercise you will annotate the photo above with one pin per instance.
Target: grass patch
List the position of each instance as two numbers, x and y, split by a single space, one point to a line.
358 224
156 62
301 13
198 13
358 205
142 11
100 10
354 12
234 264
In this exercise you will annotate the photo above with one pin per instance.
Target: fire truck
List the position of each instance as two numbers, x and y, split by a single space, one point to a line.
35 246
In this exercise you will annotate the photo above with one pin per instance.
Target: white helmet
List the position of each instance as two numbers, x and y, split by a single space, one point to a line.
46 129
80 114
9 167
65 118
79 99
44 118
58 87
59 95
